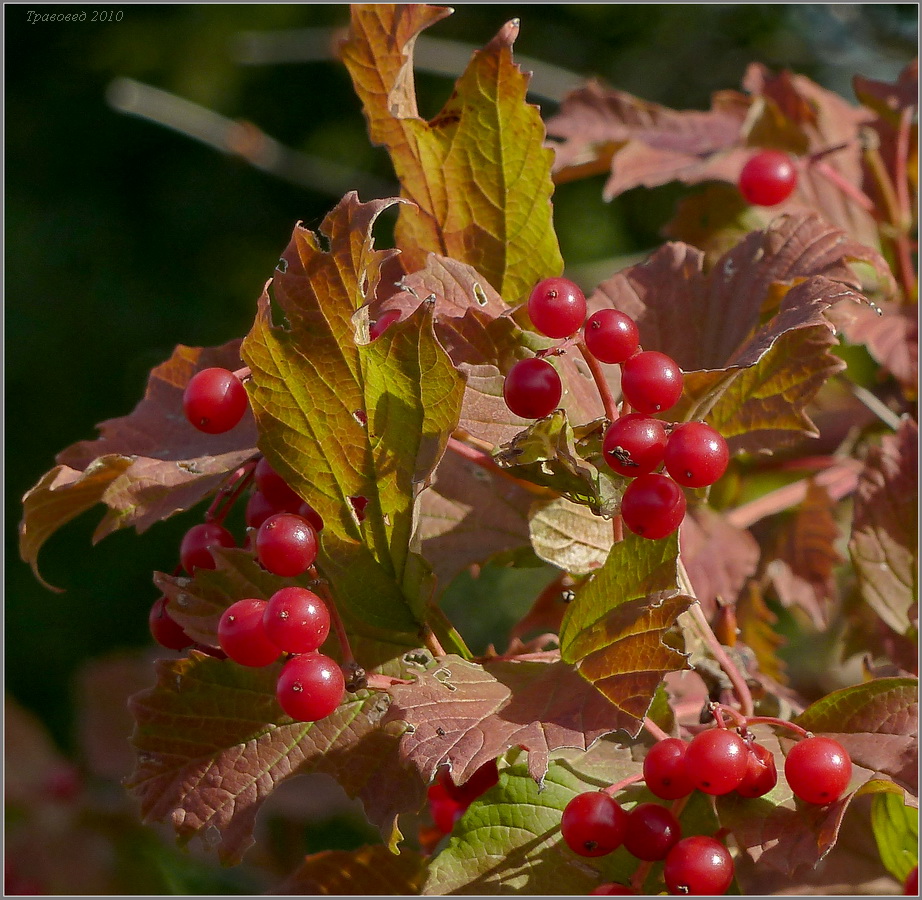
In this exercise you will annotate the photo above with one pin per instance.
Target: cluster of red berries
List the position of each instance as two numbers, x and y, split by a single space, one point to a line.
717 761
636 444
448 801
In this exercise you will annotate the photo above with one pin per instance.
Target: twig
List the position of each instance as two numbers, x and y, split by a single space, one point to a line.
880 409
485 461
601 382
740 688
243 139
227 495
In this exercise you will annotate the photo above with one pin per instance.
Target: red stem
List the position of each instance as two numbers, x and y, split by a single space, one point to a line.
228 493
613 789
847 188
654 729
336 621
485 461
601 383
243 374
746 721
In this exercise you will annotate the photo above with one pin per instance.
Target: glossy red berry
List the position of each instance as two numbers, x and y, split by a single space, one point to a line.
286 545
911 884
242 636
651 381
296 620
274 488
164 630
611 336
696 455
532 388
557 307
716 760
611 888
768 178
479 783
664 770
445 810
214 400
306 511
818 770
653 506
634 444
197 543
310 687
382 323
593 824
652 831
698 865
761 775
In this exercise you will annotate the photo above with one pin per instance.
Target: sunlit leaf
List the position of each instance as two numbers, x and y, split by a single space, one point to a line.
569 536
368 871
896 830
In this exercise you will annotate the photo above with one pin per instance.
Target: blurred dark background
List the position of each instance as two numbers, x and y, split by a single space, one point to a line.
124 238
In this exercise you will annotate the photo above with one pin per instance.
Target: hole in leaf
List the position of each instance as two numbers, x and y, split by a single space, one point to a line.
363 285
360 417
282 265
358 505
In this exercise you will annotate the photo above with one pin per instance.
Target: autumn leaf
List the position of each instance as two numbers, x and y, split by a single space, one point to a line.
477 174
145 466
570 536
465 714
341 421
884 540
368 871
213 743
896 831
613 633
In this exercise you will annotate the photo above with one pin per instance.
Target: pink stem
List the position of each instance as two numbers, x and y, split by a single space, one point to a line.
601 383
613 789
485 461
227 495
378 682
847 188
901 166
654 729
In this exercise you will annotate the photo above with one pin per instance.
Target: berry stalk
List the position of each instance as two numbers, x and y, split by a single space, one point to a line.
601 383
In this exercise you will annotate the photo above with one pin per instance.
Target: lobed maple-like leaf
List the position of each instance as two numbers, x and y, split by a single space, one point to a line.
474 326
464 714
343 422
213 743
145 466
477 174
614 631
884 539
367 871
469 514
718 556
802 572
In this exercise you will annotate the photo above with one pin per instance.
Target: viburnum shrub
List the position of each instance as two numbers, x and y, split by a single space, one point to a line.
722 657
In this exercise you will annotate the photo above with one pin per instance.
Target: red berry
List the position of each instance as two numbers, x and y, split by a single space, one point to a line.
911 884
651 381
716 760
195 548
258 509
696 455
593 824
306 511
310 687
652 831
164 630
768 178
761 775
698 865
286 545
274 488
611 887
479 783
445 810
382 323
296 620
214 400
653 506
634 444
664 770
557 307
532 388
242 636
818 770
611 336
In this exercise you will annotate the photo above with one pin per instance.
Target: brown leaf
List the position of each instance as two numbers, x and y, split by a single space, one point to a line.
368 871
884 541
570 536
756 621
466 714
469 514
718 556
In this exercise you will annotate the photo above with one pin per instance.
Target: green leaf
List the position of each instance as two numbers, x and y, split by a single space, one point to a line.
896 830
213 743
342 422
613 632
478 174
552 453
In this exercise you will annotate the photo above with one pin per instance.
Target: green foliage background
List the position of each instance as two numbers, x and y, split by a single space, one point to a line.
124 238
